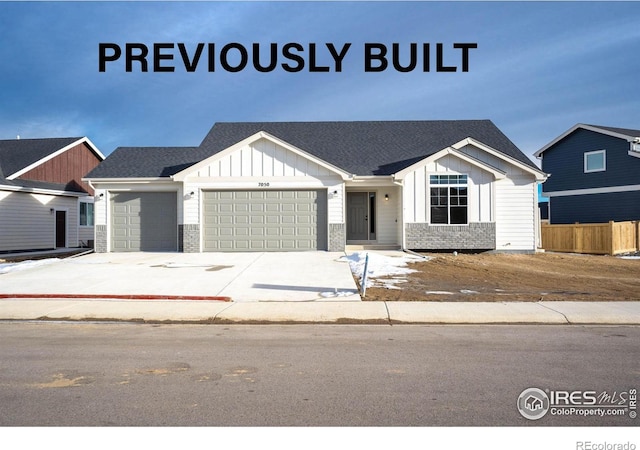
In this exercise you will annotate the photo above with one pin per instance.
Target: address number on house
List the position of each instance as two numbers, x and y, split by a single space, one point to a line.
264 184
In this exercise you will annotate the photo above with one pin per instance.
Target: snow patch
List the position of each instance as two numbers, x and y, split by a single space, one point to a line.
24 265
391 268
336 294
438 293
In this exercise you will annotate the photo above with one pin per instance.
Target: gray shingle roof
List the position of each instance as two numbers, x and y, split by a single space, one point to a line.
626 131
368 148
147 162
361 148
16 154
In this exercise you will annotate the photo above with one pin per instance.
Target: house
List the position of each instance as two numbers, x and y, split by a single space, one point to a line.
291 186
44 204
533 403
594 175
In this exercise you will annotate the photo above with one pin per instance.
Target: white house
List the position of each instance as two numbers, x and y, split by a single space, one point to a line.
44 204
292 186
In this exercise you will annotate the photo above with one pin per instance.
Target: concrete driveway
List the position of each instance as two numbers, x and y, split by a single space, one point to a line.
244 277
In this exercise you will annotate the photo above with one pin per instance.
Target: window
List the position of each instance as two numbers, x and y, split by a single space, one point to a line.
448 195
595 161
86 214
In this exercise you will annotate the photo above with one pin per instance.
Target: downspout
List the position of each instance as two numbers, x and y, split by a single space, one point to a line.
403 244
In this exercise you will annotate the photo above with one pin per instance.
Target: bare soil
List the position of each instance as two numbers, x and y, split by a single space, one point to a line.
491 277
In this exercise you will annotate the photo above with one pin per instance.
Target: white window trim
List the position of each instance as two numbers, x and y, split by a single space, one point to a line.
447 185
587 154
91 201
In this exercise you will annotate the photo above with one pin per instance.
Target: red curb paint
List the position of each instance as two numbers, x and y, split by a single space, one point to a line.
117 297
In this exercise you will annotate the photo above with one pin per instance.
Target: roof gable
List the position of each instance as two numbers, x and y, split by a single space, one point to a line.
18 156
627 134
262 155
456 151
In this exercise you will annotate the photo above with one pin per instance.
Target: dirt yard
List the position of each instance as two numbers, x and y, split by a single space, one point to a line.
512 277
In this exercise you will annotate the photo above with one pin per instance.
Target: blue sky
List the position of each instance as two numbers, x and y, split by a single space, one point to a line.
540 67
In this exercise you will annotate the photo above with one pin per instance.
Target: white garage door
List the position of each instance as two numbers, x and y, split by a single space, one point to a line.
265 220
144 221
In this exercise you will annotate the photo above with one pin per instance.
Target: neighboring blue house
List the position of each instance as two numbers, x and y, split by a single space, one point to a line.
594 175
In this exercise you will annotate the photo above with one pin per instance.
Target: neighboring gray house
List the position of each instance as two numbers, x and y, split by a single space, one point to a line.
289 186
44 204
594 175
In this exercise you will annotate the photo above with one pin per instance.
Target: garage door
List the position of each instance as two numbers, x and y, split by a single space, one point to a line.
265 220
144 221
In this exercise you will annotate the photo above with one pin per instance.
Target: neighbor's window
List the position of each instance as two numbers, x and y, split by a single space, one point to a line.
448 195
86 214
595 161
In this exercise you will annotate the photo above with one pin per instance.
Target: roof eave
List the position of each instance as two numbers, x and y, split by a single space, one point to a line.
595 129
128 180
33 190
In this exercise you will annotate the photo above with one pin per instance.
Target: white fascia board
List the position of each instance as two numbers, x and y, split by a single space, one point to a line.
83 140
588 191
180 176
540 175
628 138
371 180
497 173
95 149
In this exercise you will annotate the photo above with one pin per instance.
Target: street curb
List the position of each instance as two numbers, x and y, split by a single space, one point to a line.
114 297
379 313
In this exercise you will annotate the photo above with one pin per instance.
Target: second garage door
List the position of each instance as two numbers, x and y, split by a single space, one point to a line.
265 220
144 221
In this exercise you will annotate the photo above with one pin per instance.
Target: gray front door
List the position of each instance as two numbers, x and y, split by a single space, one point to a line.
361 216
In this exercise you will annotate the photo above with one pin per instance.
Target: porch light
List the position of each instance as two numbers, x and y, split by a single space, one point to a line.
386 197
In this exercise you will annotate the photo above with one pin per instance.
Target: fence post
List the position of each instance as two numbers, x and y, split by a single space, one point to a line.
637 235
610 242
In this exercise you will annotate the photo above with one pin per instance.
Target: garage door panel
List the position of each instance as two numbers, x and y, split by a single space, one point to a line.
144 221
265 220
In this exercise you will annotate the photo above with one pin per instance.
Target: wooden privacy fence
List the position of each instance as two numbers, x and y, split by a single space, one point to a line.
598 238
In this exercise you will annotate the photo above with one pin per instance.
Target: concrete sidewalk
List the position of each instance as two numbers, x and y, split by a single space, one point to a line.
186 311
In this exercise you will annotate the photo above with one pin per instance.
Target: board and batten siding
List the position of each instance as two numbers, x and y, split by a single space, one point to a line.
510 202
26 220
67 168
263 158
416 189
263 165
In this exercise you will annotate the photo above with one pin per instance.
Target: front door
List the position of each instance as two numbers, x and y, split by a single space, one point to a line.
361 216
61 229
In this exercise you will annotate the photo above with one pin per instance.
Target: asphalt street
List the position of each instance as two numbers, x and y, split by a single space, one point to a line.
116 374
